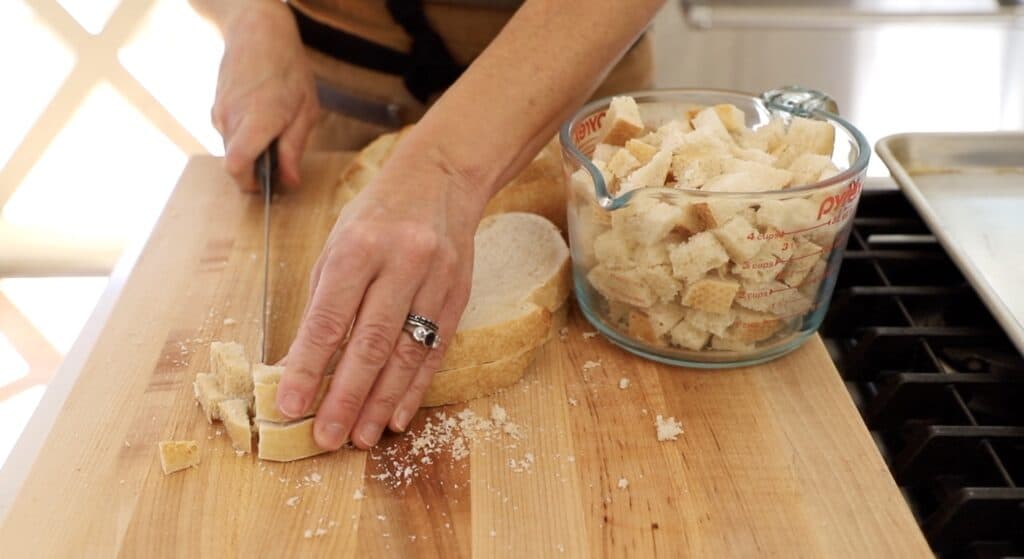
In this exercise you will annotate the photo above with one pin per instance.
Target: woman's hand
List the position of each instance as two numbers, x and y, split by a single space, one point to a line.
265 90
404 245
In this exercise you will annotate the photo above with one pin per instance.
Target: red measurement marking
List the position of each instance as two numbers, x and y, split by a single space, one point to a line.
833 203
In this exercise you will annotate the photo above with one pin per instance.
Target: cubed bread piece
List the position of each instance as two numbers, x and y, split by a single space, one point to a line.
581 182
265 401
662 284
285 442
672 134
686 335
235 414
621 122
713 213
778 244
788 216
586 227
716 323
828 173
604 152
655 114
178 455
623 163
731 117
774 297
812 283
695 257
646 220
719 343
613 251
811 136
618 313
657 254
626 286
801 262
711 294
751 326
752 154
209 395
740 239
690 222
709 120
808 168
652 324
651 175
763 267
766 176
698 158
643 152
231 369
767 137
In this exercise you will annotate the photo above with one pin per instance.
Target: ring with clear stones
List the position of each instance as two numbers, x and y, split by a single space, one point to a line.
422 330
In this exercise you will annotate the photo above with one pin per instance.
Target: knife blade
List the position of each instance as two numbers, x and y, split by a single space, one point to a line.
267 165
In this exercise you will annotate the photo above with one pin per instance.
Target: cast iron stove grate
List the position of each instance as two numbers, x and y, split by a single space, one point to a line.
937 381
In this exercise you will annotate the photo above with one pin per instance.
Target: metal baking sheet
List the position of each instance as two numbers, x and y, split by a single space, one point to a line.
969 189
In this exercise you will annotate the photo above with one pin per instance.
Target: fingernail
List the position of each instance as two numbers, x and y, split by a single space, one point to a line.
330 436
369 433
402 420
293 404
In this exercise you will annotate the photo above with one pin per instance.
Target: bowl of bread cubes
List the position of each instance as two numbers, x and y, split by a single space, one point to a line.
707 227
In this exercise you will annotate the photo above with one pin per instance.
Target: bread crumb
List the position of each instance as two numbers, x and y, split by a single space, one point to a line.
563 333
498 414
127 444
230 322
292 501
570 458
381 517
623 383
358 495
308 533
319 532
493 533
668 429
623 483
591 365
315 477
589 335
573 402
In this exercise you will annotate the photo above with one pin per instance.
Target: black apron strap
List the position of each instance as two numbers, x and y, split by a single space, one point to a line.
426 70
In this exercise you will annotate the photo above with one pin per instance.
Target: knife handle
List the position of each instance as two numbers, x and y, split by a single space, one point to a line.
266 167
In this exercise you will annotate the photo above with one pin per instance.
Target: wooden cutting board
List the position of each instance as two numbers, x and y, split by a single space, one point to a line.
774 461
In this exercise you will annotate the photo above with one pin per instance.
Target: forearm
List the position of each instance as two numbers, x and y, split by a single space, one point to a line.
547 60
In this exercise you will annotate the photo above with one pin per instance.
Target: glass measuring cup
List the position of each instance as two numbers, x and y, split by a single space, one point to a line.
627 280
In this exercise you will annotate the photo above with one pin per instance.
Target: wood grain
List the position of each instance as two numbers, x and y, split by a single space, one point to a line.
774 461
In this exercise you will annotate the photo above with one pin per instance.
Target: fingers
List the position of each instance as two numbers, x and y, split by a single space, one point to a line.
332 307
373 339
448 320
244 145
292 143
405 362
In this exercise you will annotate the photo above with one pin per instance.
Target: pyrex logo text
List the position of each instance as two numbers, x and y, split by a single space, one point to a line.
837 201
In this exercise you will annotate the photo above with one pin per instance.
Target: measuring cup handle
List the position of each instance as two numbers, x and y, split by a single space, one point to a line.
800 101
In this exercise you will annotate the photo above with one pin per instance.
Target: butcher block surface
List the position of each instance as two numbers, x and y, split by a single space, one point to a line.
774 459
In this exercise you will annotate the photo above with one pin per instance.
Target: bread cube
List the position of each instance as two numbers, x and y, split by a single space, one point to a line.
716 323
698 158
788 216
709 120
656 114
178 455
714 213
766 176
623 163
811 136
649 256
690 222
759 296
662 284
718 343
752 154
643 152
740 240
231 369
809 167
235 414
711 294
625 286
763 267
695 257
731 117
646 220
687 336
672 134
812 283
614 251
621 121
604 152
751 326
653 174
618 313
801 262
767 137
651 325
209 395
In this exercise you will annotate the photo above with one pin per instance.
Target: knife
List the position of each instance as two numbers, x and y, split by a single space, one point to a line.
266 166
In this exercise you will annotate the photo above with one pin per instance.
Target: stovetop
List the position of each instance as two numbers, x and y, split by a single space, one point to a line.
938 383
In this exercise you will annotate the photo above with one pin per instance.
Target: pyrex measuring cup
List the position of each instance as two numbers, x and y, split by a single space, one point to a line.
632 294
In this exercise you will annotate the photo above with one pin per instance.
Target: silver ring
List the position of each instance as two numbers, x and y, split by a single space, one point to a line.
423 331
